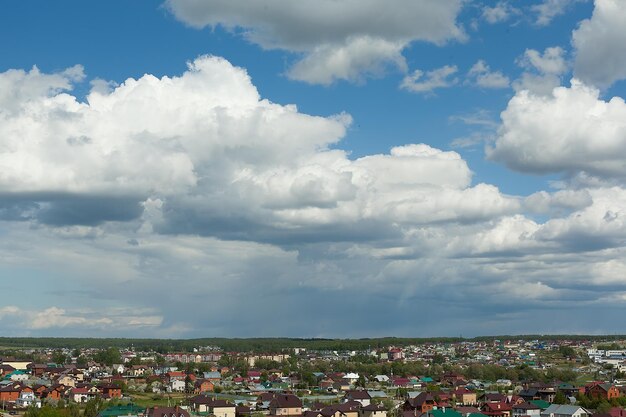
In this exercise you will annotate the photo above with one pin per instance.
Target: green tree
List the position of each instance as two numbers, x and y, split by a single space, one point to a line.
567 351
59 357
604 406
560 398
93 407
108 356
73 410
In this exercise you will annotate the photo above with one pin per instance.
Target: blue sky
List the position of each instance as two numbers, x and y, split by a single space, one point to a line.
199 168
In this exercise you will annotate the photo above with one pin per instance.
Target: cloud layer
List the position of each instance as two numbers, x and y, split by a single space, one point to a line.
338 40
193 190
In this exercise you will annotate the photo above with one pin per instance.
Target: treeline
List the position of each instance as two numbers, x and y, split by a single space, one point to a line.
265 344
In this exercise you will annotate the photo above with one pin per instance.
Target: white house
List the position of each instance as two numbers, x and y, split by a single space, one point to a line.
557 410
28 399
176 385
351 377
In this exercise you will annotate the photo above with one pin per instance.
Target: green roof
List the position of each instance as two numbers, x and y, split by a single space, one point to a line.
121 410
444 413
541 404
477 415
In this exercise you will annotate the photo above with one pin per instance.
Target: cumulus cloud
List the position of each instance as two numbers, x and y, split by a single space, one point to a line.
501 12
221 161
542 71
599 225
358 58
481 75
425 82
600 45
570 132
339 40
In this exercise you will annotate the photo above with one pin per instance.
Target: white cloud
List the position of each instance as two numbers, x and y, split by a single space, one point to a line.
425 82
542 71
82 319
571 131
604 220
357 58
18 87
544 202
551 61
330 32
481 75
501 12
208 148
600 45
147 135
549 9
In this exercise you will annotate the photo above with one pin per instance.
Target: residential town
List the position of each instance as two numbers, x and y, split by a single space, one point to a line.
464 378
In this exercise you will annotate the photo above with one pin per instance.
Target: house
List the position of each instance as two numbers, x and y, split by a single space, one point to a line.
37 369
118 368
496 409
137 371
557 410
217 408
16 364
526 409
203 385
176 385
175 376
422 403
66 380
55 393
17 376
603 391
347 409
464 396
79 395
254 376
10 392
243 411
373 410
214 376
285 405
361 396
351 378
493 397
166 412
27 399
110 391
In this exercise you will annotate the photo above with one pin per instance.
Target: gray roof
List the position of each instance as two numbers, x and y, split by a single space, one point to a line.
563 409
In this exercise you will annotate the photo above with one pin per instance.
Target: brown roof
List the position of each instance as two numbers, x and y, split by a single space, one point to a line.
166 412
358 394
285 401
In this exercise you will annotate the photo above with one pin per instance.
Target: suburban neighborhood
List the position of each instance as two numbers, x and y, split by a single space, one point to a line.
474 378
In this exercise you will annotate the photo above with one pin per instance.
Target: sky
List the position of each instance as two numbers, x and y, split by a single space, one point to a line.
312 168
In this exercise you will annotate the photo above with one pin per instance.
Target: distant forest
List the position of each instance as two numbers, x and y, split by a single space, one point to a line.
263 344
